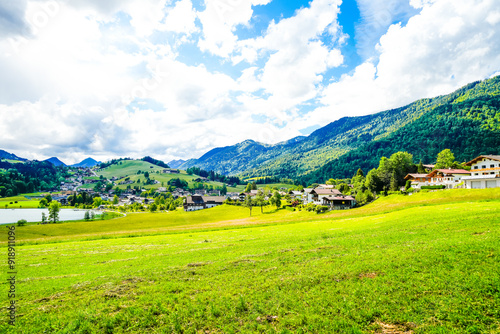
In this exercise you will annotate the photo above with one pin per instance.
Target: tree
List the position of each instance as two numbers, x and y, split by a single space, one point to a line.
394 182
97 202
44 218
254 185
21 222
223 191
92 215
360 172
42 203
146 175
372 181
48 198
153 207
276 199
54 209
249 204
115 200
445 159
86 216
421 168
260 200
248 188
344 188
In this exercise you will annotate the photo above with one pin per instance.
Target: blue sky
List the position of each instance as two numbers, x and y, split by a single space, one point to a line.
175 78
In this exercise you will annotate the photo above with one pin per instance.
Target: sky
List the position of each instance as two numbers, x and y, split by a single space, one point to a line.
173 79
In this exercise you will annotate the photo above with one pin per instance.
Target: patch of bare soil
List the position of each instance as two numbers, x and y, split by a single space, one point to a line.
394 328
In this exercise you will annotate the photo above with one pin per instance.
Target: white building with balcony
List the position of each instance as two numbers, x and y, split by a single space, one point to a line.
485 172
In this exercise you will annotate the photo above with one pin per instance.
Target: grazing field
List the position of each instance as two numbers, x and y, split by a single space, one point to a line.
18 202
427 263
129 168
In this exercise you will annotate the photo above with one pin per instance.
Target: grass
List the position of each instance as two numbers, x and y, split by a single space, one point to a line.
22 202
129 168
241 188
426 263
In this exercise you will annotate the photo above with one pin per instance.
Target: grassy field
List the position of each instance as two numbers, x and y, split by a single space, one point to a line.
22 202
241 188
426 263
129 168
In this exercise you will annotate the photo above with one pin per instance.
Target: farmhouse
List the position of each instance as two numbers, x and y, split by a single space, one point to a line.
196 202
447 177
339 202
318 194
450 178
418 180
171 171
485 172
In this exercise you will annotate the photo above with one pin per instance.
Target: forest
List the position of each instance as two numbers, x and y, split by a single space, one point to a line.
28 177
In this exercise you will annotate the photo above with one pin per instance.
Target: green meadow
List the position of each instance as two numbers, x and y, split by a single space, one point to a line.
18 202
129 168
426 263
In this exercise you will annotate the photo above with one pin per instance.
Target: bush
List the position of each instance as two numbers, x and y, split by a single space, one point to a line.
432 187
321 208
21 222
310 207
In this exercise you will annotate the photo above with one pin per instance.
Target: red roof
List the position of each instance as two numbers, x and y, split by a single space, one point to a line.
416 175
449 171
321 191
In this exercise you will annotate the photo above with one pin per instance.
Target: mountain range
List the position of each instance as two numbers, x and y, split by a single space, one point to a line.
466 121
87 163
10 156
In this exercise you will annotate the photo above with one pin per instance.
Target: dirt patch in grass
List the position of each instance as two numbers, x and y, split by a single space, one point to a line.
368 275
385 328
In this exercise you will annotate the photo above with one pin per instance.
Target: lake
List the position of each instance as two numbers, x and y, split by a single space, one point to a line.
35 215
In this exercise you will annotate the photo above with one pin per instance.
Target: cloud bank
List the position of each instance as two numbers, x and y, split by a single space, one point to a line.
172 79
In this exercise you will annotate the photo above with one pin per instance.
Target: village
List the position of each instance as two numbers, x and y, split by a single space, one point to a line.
484 173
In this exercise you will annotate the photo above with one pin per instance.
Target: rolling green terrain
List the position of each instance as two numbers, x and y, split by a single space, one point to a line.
18 202
466 121
129 168
426 263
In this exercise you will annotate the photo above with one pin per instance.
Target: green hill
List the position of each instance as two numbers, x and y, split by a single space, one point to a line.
133 170
423 128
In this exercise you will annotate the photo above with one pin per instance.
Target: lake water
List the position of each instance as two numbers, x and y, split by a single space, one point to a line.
8 216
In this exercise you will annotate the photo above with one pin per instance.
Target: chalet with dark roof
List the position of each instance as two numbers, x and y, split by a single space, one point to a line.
197 202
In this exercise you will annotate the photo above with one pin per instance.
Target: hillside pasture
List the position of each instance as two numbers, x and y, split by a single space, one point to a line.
426 263
129 168
22 202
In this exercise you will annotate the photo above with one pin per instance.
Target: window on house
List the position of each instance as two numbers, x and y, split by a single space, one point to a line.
492 166
476 167
483 166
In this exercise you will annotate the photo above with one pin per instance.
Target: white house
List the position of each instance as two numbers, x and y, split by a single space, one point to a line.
318 194
450 178
485 172
196 202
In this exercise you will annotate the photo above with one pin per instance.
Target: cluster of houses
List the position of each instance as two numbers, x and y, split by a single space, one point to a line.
323 194
81 177
484 173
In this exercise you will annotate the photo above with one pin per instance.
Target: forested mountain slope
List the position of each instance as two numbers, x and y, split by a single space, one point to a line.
423 128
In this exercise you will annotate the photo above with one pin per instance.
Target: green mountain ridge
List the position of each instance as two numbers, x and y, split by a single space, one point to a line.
329 151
